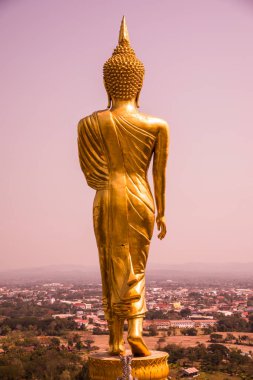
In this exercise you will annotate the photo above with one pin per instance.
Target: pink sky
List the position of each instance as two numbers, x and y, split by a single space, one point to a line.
198 56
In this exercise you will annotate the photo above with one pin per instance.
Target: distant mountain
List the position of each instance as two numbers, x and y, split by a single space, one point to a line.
207 267
200 270
51 273
78 273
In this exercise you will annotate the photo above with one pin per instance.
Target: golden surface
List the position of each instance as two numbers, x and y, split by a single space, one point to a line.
116 147
104 367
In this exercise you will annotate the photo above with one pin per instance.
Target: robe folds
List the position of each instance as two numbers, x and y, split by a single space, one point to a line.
114 154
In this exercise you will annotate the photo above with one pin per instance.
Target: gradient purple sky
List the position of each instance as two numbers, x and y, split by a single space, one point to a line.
198 56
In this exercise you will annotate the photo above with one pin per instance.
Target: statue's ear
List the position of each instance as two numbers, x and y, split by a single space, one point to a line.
109 101
137 99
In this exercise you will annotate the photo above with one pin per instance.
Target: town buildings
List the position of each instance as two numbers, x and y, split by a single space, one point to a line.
170 304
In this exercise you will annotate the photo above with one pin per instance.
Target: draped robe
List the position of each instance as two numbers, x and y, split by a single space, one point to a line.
114 154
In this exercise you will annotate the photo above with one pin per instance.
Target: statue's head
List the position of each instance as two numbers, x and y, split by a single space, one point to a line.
123 72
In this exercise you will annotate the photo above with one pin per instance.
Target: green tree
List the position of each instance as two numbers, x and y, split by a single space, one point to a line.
232 323
229 337
185 313
88 343
55 342
79 345
216 337
189 331
216 353
251 323
175 352
208 330
153 330
12 370
76 338
70 342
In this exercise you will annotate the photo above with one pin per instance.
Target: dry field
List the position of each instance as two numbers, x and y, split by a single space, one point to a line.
186 341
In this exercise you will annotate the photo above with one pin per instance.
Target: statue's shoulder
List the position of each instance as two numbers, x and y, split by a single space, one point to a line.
153 122
83 122
88 121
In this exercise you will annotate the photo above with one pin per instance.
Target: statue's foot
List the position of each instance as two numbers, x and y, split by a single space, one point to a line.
117 348
135 339
117 352
138 346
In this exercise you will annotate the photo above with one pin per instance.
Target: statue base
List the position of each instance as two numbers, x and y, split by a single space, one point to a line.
102 366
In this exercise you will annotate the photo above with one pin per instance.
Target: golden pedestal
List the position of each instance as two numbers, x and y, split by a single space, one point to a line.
102 366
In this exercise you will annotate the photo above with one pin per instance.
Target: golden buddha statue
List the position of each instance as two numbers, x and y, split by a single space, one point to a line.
116 146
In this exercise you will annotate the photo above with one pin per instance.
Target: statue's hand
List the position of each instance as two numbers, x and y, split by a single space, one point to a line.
161 226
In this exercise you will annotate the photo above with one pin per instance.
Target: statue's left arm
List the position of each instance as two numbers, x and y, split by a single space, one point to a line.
159 175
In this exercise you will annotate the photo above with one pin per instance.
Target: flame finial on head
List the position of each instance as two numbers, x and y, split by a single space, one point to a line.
123 33
123 72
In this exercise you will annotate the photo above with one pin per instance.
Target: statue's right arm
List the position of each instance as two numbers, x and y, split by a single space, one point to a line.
159 175
83 148
80 127
92 161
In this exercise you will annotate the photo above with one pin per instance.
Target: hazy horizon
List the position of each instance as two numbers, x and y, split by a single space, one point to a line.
198 57
240 273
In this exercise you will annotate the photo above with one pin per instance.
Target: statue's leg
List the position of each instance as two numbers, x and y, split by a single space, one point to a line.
110 327
139 254
135 339
116 340
100 221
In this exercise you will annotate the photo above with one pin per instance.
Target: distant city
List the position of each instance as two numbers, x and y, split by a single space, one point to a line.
171 304
198 320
